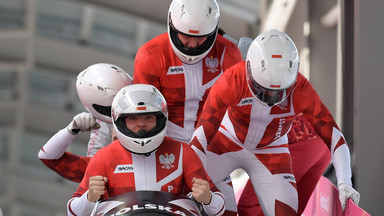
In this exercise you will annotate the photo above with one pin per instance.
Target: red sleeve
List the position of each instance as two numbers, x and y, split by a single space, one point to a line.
69 166
307 101
95 167
193 167
147 66
301 130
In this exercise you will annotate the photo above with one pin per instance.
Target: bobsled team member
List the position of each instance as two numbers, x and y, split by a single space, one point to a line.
255 101
143 158
310 158
185 62
96 87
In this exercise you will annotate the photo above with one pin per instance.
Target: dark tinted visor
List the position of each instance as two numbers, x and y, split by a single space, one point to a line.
103 110
188 50
160 124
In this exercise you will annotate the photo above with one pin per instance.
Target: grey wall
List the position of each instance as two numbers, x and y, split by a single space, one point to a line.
369 105
363 86
322 44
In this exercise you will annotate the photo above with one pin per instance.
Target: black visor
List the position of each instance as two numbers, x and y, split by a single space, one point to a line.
103 110
211 37
160 124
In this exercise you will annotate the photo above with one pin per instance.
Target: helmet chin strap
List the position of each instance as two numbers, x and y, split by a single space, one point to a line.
147 154
141 133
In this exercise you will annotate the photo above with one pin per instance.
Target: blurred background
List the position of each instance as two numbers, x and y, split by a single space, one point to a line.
44 44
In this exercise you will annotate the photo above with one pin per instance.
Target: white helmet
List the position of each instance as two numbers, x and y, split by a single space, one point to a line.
139 99
272 65
96 87
197 18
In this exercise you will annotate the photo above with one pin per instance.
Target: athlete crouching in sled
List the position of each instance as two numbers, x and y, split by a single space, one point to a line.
143 158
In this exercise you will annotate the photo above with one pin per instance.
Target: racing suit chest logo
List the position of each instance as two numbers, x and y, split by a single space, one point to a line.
167 160
245 101
173 70
124 168
211 64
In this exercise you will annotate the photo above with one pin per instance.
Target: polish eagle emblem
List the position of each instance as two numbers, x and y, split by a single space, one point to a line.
212 64
167 161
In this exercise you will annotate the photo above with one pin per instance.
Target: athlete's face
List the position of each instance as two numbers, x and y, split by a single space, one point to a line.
140 122
191 42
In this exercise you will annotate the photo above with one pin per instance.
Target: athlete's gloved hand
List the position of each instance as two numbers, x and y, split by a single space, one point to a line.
346 191
82 122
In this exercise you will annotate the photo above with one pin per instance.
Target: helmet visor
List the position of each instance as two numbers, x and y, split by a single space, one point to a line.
103 110
142 134
191 51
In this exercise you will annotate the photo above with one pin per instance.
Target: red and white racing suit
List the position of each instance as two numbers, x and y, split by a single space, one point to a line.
55 156
185 87
170 168
253 137
310 158
99 138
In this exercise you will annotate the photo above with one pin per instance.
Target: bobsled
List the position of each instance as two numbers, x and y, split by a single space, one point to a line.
146 203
